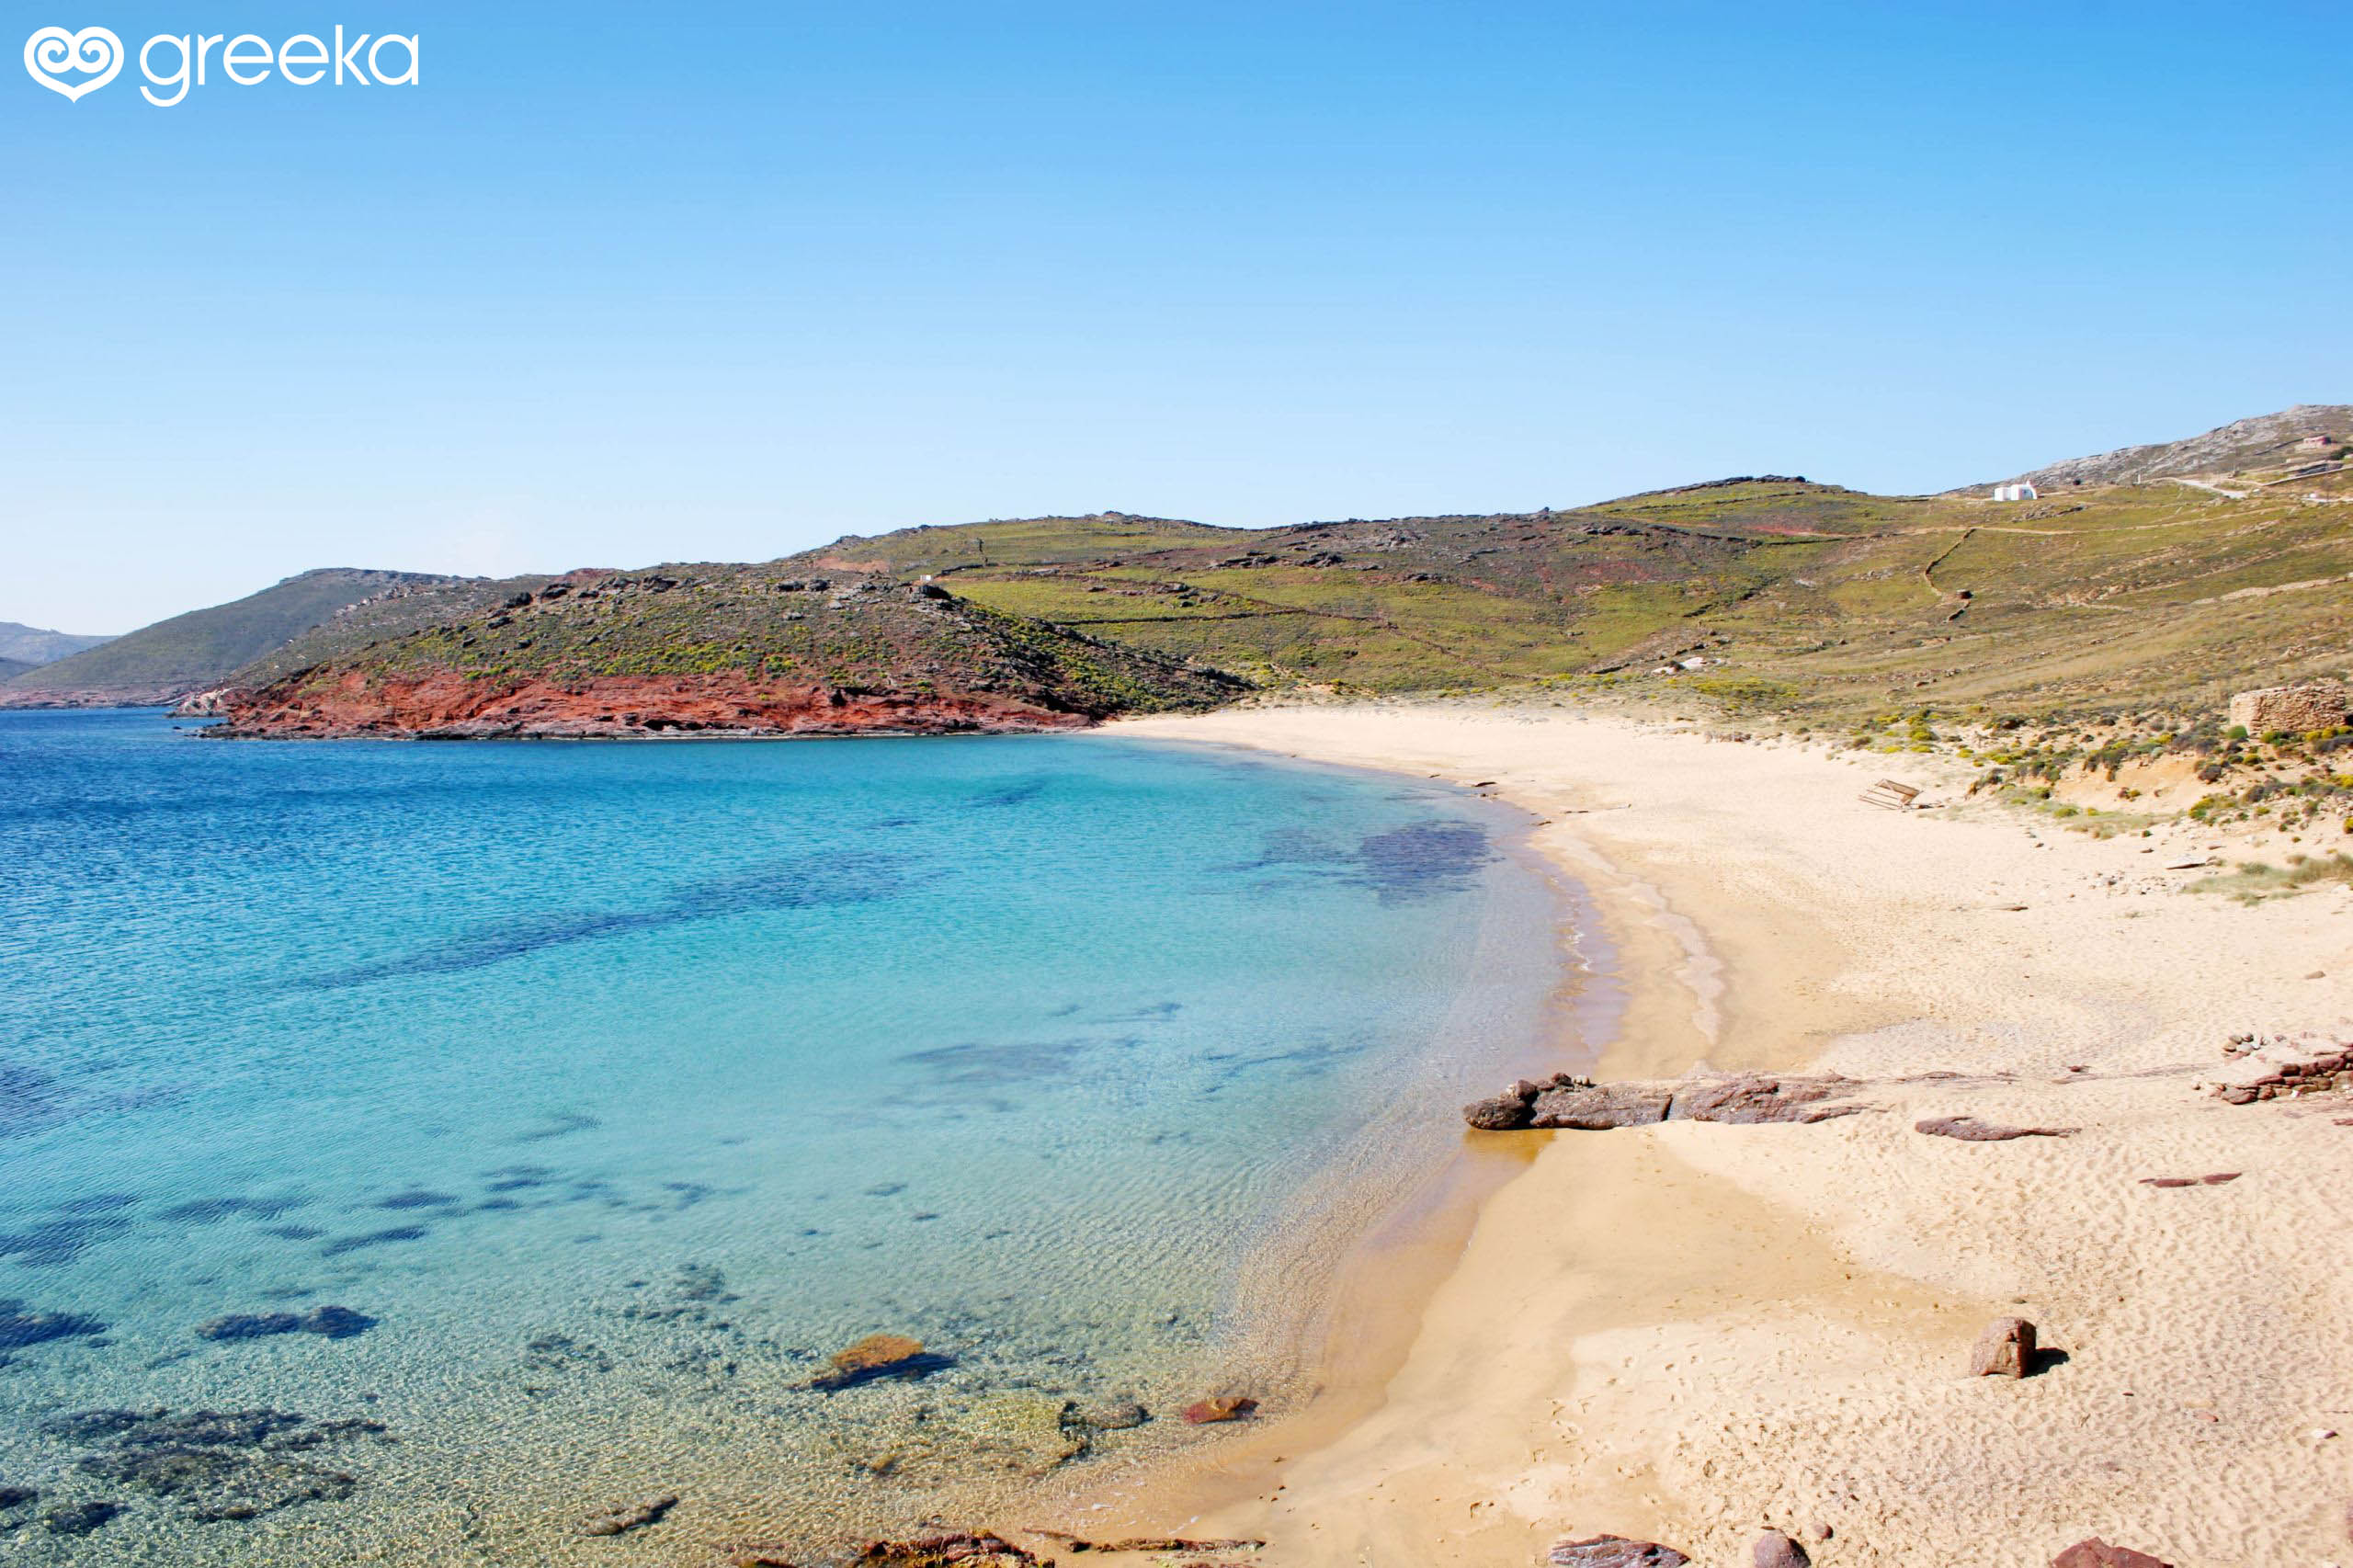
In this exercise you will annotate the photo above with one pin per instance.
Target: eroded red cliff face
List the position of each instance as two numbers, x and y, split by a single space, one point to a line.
445 705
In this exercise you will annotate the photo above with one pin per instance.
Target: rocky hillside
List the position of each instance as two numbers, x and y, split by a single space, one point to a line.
27 646
189 652
702 649
2274 445
1778 595
1799 601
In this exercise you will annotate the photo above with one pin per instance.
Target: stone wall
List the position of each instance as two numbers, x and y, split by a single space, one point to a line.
2318 704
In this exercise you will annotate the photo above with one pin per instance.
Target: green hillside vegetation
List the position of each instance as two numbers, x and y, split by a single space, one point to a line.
770 624
201 649
1805 601
1780 600
13 667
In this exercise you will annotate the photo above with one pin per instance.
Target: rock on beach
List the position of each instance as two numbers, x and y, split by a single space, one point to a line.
2004 1350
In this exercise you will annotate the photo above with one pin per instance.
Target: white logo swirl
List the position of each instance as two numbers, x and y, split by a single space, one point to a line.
93 50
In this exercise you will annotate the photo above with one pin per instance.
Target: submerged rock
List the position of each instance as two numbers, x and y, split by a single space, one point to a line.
2004 1350
630 1517
1115 1415
332 1323
1219 1407
978 1549
878 1356
1614 1551
220 1465
79 1519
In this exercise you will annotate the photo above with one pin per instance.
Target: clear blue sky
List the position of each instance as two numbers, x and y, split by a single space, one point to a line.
622 283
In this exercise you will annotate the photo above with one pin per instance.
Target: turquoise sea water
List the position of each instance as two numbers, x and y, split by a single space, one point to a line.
616 1086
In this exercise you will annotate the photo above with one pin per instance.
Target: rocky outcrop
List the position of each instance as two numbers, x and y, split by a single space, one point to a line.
2316 705
1562 1101
2279 1071
446 705
2004 1350
1614 1551
721 650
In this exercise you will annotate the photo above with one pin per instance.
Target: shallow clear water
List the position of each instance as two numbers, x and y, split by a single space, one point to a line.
621 1085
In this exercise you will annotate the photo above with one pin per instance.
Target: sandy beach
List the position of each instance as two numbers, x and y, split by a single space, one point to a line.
1689 1333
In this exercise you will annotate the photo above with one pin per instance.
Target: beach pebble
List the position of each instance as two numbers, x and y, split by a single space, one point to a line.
1614 1551
2097 1553
2004 1350
1774 1549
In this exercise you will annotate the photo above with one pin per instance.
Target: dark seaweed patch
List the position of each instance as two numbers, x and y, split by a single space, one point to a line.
328 1323
417 1198
342 1245
1406 864
218 1465
79 1519
563 1124
1425 859
1016 793
977 1064
29 1098
212 1211
21 1327
98 1204
1312 1060
54 1242
803 883
517 1179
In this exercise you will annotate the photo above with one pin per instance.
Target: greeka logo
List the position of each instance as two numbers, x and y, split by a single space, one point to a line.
93 50
176 62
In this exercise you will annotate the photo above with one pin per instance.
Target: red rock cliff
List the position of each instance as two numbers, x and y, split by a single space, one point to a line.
445 705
